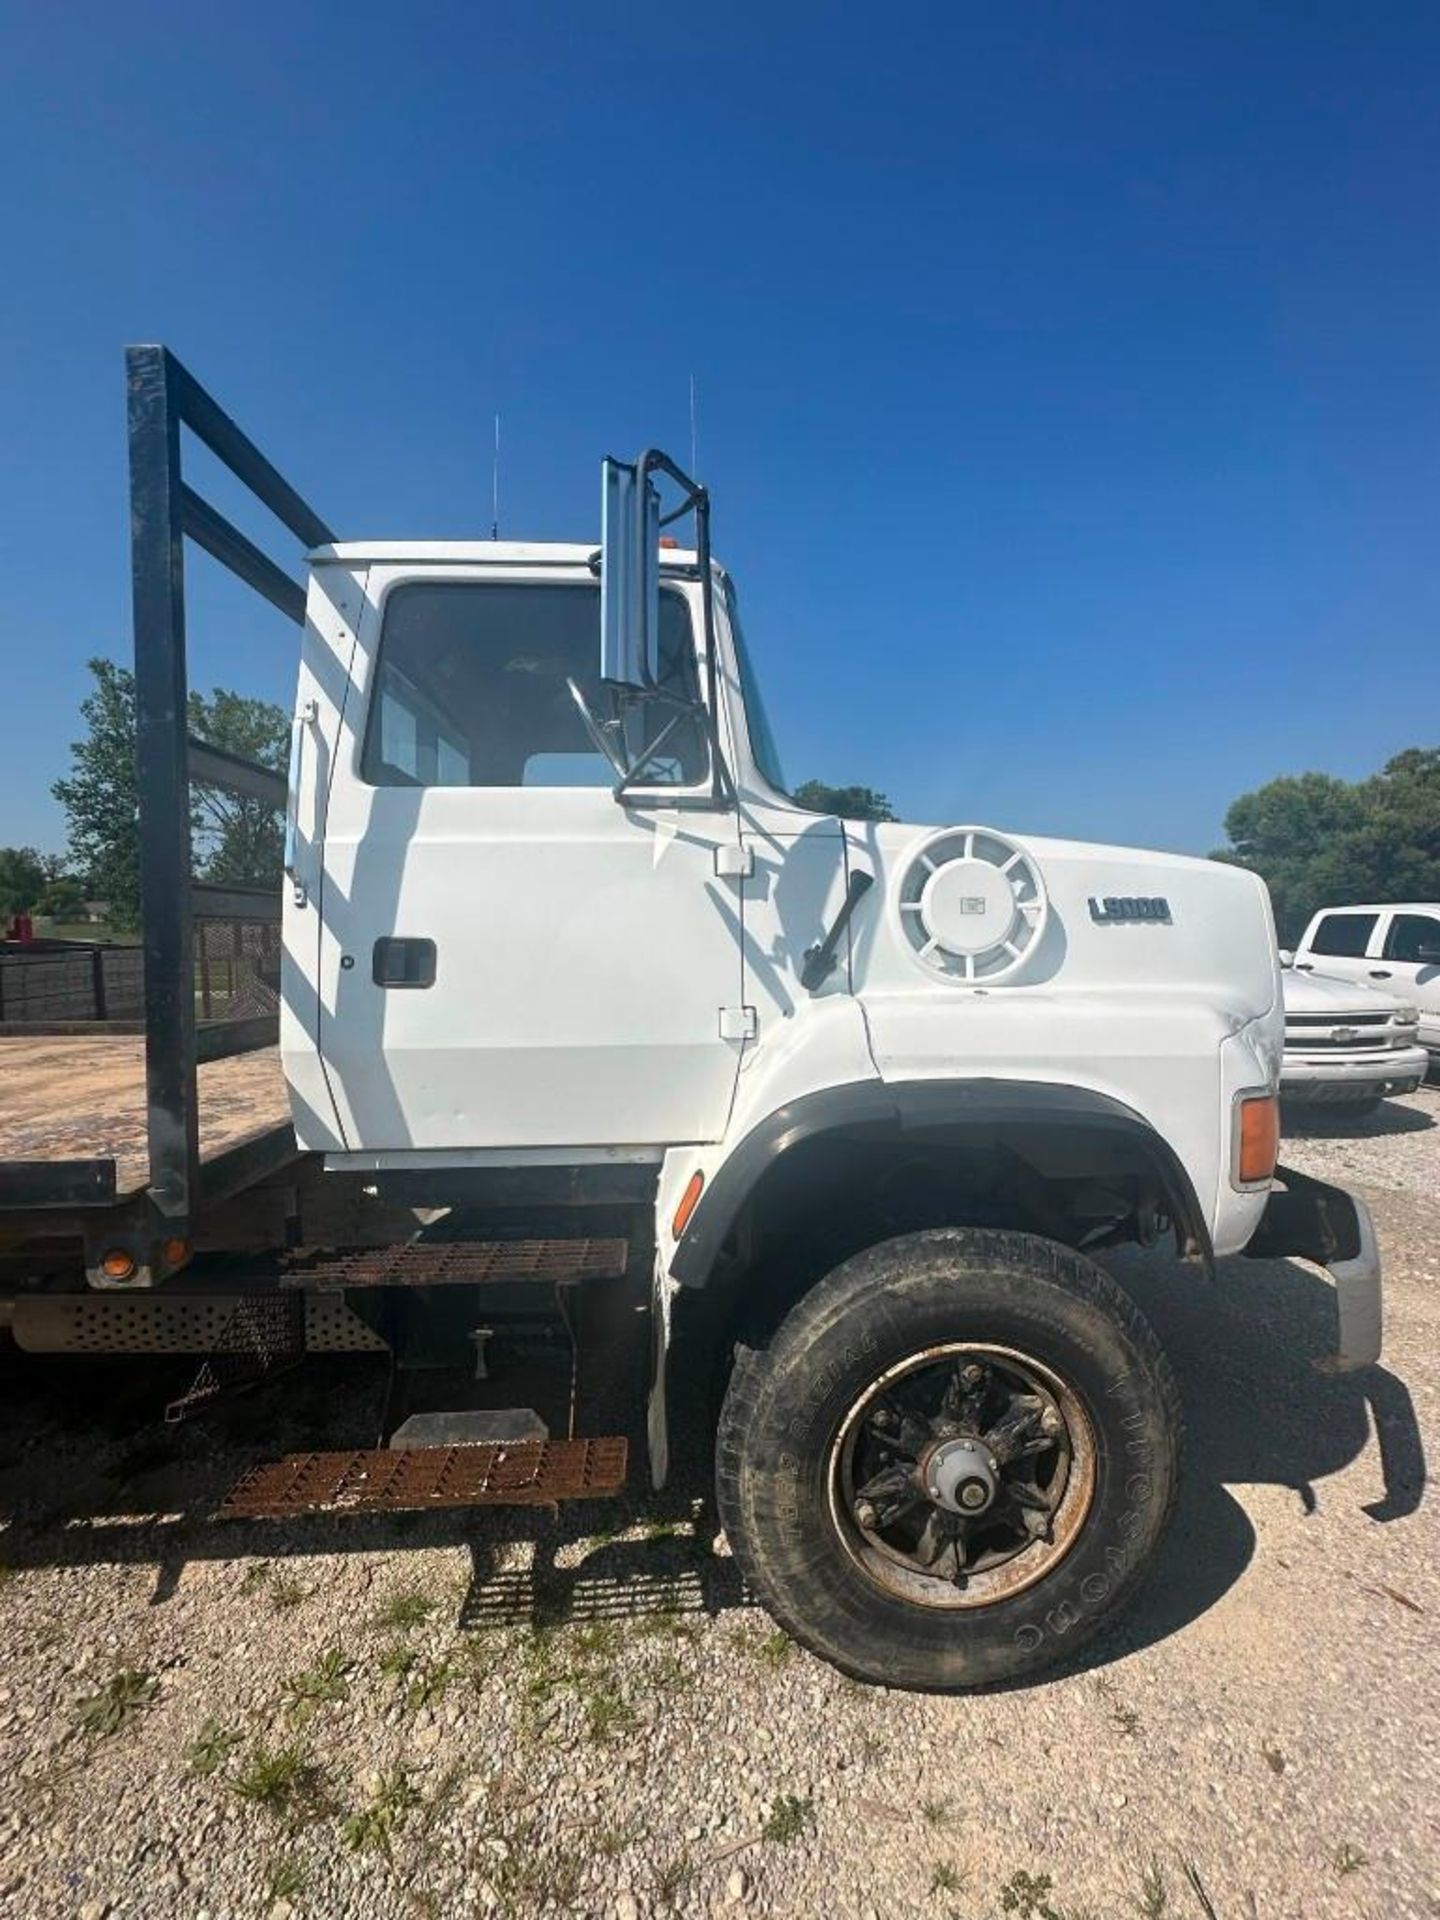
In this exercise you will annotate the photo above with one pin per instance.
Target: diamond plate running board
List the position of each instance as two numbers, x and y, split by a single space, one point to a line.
441 1263
519 1474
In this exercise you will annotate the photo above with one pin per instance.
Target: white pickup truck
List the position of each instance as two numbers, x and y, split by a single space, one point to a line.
1346 1045
1395 948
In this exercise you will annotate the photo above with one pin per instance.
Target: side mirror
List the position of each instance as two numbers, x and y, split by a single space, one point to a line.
629 576
1287 957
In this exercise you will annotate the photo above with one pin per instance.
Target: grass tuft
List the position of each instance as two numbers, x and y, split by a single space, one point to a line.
1347 1859
283 1781
404 1610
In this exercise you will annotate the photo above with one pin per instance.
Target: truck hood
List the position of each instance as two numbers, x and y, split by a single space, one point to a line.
977 912
1327 993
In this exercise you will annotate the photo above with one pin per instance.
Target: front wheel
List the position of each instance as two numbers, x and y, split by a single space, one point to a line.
951 1460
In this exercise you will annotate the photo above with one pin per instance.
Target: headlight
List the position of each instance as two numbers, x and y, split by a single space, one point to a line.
1406 1015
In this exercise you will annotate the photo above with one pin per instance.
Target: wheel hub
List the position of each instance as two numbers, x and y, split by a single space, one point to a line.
962 1475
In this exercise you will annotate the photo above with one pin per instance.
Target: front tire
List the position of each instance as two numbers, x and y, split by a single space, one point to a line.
951 1460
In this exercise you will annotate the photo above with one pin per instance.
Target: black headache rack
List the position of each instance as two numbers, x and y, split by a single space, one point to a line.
154 1225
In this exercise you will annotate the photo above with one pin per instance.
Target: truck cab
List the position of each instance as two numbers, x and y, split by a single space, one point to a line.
1395 949
860 1106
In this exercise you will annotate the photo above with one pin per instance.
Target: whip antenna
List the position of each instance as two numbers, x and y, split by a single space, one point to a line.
692 427
495 486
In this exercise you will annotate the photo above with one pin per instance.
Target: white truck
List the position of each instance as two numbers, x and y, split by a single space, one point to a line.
1394 948
1347 1045
860 1104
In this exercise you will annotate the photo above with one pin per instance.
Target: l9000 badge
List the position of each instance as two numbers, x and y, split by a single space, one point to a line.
1130 907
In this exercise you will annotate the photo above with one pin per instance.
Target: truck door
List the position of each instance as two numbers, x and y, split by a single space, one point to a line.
510 958
1409 966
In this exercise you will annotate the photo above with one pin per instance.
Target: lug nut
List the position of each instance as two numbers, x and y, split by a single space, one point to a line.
865 1513
1050 1421
973 1374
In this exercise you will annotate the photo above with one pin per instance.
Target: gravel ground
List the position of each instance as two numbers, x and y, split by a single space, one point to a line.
338 1722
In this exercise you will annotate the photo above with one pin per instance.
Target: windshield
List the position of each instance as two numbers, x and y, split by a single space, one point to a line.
763 750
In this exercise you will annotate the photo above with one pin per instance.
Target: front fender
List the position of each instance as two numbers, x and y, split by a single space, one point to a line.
894 1108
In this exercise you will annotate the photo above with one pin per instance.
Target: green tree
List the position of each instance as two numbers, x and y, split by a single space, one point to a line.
1318 841
99 797
850 803
235 839
63 897
22 881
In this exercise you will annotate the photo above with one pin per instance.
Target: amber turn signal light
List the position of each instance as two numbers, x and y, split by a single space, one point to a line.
1257 1130
688 1199
117 1264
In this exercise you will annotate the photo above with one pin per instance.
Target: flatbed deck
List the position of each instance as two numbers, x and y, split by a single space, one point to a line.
70 1097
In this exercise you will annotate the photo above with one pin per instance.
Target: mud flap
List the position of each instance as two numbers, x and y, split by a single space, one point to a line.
1331 1227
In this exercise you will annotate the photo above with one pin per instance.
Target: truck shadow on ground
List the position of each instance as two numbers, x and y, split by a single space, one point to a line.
81 1487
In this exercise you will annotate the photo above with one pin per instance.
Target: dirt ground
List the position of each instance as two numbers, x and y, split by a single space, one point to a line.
357 1719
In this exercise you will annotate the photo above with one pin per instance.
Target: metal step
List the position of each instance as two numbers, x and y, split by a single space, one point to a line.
523 1474
459 1263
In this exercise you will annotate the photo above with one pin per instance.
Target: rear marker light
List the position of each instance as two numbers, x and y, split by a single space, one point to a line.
688 1201
1257 1136
117 1264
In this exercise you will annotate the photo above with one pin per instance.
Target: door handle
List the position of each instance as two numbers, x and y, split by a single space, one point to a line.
1379 973
403 963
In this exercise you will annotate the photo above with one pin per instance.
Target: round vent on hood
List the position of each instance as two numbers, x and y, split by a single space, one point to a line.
972 904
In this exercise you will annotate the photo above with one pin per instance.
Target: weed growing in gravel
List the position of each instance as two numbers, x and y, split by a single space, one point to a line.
327 1681
669 1623
1127 1720
287 1592
370 1829
211 1748
1028 1896
608 1714
672 1877
283 1781
1347 1859
285 1879
123 1695
405 1610
789 1818
871 1748
775 1649
428 1687
611 1842
1153 1902
945 1878
662 1530
397 1663
935 1812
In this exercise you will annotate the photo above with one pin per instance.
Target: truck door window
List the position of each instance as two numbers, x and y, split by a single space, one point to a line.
470 689
1413 937
1344 934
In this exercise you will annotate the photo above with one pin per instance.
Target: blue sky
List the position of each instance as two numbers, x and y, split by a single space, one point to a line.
1067 374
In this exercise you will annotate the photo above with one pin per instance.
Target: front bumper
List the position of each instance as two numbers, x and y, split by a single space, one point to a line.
1342 1077
1331 1227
